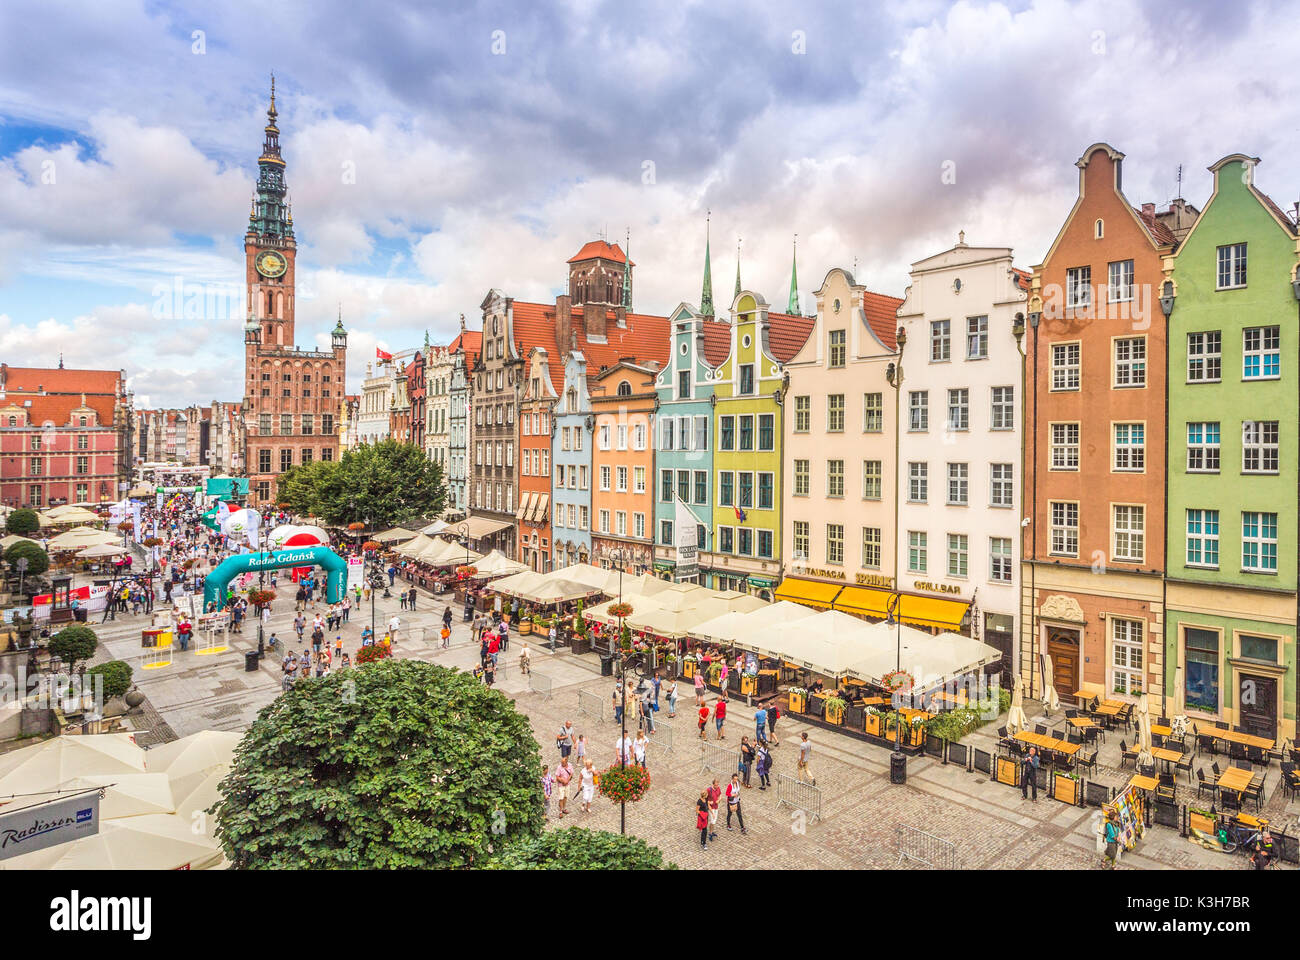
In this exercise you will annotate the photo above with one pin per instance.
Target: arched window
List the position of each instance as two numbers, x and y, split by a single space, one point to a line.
83 421
1099 229
571 400
624 389
270 304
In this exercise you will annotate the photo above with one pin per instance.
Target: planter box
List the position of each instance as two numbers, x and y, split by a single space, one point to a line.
854 716
834 715
797 704
748 686
525 627
874 724
579 645
688 669
1066 789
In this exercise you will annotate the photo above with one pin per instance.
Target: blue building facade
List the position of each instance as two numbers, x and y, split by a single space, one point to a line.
683 448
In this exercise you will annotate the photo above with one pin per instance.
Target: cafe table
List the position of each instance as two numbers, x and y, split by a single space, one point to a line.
1109 708
1160 730
1235 779
1143 783
1167 755
1245 739
911 713
1082 723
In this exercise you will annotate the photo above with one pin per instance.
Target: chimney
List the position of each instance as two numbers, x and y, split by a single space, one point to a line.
563 321
593 318
1148 209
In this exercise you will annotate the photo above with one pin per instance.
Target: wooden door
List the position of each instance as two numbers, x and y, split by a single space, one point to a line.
1258 700
1063 648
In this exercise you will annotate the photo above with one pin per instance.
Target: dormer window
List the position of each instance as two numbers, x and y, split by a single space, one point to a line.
81 421
624 389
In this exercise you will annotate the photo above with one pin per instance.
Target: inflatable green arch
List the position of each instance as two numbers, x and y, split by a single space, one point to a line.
336 571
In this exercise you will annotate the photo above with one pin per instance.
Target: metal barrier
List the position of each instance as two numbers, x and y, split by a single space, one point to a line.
959 754
926 849
591 705
718 759
540 683
982 760
662 736
798 794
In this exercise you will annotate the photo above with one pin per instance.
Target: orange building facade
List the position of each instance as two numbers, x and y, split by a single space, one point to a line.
1092 587
622 497
534 513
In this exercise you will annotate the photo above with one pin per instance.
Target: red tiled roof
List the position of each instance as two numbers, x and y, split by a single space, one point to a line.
599 248
786 334
717 341
471 342
1277 211
882 315
55 380
1022 277
1159 231
645 338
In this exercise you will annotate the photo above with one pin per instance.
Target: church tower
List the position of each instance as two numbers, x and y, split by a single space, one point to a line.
292 398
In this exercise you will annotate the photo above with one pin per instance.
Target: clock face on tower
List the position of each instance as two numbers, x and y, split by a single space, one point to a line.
271 264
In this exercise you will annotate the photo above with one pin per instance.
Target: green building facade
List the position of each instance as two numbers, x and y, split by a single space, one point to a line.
1234 433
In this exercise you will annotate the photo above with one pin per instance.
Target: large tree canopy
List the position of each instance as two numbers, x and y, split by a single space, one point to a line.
577 848
378 484
396 764
22 522
38 561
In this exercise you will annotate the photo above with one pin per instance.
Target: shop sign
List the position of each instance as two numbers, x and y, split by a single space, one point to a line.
936 587
874 580
825 574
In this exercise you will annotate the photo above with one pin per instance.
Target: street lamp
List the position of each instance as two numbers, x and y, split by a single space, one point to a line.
894 376
626 658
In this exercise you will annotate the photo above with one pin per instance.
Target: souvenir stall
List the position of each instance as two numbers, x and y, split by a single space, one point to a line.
1127 812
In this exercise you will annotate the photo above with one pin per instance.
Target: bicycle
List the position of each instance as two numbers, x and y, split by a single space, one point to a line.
1241 832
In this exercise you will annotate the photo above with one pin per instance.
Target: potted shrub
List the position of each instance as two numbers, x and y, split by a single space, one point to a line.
1066 787
834 710
714 674
525 625
874 722
798 697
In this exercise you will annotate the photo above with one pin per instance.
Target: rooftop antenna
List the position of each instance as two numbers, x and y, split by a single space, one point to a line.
1180 182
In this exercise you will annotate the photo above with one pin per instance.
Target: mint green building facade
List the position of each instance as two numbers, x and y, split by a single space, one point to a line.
1234 436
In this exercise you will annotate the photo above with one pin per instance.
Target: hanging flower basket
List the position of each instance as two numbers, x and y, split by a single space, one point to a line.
621 610
125 526
260 598
621 784
465 572
372 653
354 527
897 680
153 542
371 545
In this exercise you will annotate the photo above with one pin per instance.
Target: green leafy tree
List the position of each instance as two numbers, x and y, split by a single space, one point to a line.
299 488
38 561
73 645
117 677
576 848
23 522
397 764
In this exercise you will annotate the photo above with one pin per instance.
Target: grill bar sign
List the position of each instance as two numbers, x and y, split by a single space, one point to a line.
47 825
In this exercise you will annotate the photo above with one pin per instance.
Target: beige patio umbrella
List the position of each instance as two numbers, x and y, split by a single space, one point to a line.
1143 714
9 541
73 515
54 763
156 841
1016 719
1050 700
79 537
101 550
189 760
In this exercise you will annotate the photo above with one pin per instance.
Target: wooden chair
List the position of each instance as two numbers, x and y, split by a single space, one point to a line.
1087 760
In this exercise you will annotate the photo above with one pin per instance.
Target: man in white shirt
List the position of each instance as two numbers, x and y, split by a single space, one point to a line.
623 749
393 624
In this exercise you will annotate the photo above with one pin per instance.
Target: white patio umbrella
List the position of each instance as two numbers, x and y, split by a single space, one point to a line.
148 842
1050 699
1143 714
80 537
101 550
54 763
1016 719
189 760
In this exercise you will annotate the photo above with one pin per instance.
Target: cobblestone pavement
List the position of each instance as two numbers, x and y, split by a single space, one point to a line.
989 824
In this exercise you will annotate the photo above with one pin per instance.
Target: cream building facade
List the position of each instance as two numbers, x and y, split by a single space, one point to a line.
377 397
437 403
960 442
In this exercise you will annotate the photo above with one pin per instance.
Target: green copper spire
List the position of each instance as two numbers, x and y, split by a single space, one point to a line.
706 295
426 339
737 293
270 216
792 307
627 271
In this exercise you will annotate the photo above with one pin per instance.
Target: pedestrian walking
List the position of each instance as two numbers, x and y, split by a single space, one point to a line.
764 764
805 757
747 754
703 718
773 715
548 781
525 660
588 776
672 698
760 723
616 698
639 748
733 803
580 749
699 687
393 625
563 775
446 617
445 635
623 749
401 600
1029 774
564 739
490 672
338 647
715 802
702 818
410 600
720 717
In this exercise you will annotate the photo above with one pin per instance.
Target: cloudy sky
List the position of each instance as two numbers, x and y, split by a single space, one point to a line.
434 156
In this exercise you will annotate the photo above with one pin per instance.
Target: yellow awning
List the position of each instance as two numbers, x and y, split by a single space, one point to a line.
811 593
864 602
932 611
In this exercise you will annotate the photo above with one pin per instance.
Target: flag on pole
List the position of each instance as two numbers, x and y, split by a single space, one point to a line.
740 514
381 355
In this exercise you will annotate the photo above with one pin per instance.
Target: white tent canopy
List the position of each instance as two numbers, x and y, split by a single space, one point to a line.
440 553
101 550
394 535
82 537
731 627
148 842
413 547
438 526
497 564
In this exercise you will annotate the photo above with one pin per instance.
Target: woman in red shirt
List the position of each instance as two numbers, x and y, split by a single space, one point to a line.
702 818
704 718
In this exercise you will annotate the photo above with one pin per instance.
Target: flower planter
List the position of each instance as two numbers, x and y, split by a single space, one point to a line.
854 717
797 702
874 724
688 669
525 626
748 686
580 645
1066 789
834 714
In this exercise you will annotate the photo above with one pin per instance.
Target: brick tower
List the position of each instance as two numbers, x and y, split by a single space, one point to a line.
292 397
